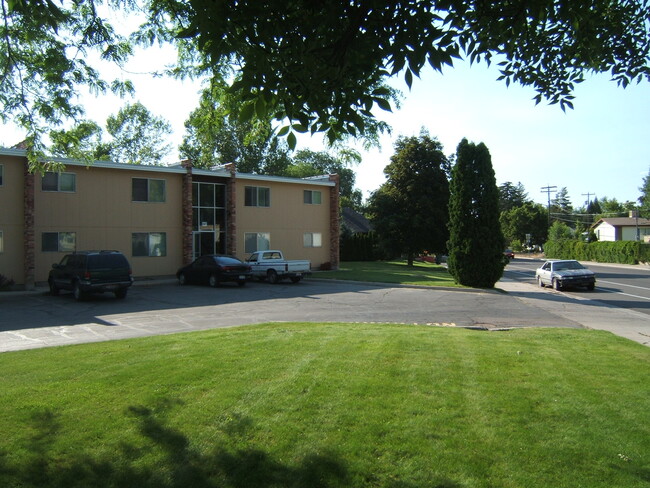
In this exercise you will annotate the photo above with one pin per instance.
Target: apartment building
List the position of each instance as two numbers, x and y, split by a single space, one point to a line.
159 217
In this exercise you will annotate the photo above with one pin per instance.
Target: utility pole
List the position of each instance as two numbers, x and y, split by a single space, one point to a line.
588 195
548 190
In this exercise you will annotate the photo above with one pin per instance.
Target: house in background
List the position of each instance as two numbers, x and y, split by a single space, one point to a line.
622 229
160 217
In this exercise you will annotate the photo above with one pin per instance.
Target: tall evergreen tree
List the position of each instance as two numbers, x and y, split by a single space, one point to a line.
476 241
511 196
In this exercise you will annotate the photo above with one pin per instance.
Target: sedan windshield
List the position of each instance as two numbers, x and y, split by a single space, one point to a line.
568 265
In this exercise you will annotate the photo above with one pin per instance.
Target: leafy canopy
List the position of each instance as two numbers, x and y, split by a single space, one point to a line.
321 66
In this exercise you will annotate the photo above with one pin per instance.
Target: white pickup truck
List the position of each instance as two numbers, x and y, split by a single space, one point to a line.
271 266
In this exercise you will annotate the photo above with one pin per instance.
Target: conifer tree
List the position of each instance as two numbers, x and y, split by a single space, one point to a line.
476 241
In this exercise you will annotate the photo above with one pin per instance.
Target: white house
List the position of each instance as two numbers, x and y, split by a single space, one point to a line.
622 229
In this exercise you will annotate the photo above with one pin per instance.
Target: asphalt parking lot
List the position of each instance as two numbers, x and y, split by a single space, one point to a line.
32 320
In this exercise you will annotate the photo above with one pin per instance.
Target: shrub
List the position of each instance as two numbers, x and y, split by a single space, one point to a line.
622 252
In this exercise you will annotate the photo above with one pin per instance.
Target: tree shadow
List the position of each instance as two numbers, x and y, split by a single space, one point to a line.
179 465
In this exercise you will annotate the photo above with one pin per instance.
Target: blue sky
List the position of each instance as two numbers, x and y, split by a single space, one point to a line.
601 148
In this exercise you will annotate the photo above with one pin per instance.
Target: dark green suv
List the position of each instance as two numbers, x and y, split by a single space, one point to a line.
91 272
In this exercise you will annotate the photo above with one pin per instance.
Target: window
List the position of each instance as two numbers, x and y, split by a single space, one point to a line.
2 172
257 196
58 241
64 182
148 190
312 197
313 239
256 241
149 244
2 240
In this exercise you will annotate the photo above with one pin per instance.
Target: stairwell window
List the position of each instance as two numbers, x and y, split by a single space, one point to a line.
148 190
62 182
257 196
312 197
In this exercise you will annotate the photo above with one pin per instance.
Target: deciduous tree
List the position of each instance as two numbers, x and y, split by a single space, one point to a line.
409 211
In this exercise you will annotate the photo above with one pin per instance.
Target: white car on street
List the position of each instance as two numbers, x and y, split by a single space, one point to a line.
567 273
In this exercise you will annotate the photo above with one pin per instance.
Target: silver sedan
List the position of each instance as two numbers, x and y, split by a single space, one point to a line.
565 274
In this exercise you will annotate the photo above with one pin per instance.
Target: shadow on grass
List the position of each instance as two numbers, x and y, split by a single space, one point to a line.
178 464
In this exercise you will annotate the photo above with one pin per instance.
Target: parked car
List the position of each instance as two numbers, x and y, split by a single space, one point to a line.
213 269
271 266
565 274
86 272
509 254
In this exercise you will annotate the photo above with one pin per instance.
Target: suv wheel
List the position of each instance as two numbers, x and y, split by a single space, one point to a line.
53 288
76 291
121 293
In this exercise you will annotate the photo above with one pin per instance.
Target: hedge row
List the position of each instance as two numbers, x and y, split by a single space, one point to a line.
359 247
624 252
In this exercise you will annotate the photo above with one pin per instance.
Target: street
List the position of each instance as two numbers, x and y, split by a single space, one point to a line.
622 286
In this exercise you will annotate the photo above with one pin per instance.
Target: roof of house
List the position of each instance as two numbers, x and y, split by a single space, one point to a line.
623 222
356 222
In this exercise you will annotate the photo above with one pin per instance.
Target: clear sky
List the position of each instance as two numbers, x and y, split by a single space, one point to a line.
601 148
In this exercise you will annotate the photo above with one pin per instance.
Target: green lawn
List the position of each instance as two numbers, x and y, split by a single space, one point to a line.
324 405
425 274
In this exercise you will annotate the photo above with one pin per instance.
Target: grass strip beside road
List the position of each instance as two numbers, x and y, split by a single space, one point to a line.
424 274
330 405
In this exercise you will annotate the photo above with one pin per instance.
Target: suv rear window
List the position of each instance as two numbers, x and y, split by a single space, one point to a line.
103 261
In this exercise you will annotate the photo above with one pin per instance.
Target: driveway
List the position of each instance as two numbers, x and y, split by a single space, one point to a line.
152 308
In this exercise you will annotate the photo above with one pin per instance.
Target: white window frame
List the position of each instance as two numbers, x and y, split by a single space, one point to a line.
149 181
61 242
308 197
312 239
58 181
256 196
260 238
151 245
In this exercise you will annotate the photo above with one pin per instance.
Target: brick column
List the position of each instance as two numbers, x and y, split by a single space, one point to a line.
29 241
231 211
187 212
335 227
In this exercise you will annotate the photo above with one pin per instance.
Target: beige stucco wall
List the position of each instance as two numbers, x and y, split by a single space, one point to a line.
11 218
103 216
286 220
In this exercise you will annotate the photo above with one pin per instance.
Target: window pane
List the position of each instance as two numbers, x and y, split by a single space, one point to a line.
67 182
50 242
206 220
316 198
139 244
140 191
50 181
206 195
250 245
156 190
307 196
2 171
158 244
195 194
263 242
220 196
317 239
264 197
306 240
67 241
250 196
